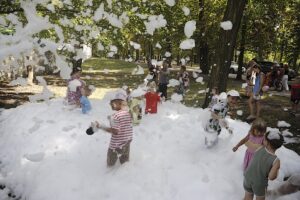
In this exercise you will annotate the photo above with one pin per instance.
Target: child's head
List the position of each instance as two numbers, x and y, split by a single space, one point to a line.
118 101
165 65
76 72
86 91
274 139
257 68
152 86
232 97
183 68
117 104
215 91
258 127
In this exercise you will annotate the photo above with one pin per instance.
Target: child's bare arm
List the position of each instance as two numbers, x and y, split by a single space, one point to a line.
274 170
107 129
252 145
215 115
243 141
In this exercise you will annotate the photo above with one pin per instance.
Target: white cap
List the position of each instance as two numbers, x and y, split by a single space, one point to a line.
120 94
233 93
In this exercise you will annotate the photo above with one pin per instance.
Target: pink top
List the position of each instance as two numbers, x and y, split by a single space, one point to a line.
250 152
255 140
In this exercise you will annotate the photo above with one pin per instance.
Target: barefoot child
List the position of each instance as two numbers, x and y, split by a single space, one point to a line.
255 136
263 167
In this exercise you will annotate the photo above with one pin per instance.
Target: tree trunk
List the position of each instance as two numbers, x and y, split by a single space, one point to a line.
203 46
227 40
294 61
282 46
169 49
137 54
242 49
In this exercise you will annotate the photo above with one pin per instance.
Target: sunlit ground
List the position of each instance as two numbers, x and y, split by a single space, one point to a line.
60 91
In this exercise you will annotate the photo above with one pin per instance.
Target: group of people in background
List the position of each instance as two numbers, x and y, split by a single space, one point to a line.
258 83
161 76
260 162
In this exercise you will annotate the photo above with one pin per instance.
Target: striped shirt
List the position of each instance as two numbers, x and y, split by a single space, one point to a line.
121 121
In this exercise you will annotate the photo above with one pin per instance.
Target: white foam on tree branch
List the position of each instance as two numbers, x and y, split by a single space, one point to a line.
187 44
189 28
170 2
226 25
155 22
186 11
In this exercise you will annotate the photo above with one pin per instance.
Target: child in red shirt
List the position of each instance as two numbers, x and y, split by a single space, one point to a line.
152 98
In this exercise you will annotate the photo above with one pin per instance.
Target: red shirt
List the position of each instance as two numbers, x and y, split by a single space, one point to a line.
151 102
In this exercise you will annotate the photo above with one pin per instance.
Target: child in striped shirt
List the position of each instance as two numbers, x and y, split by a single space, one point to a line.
120 129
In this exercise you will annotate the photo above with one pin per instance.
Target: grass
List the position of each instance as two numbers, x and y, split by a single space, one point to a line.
111 64
110 73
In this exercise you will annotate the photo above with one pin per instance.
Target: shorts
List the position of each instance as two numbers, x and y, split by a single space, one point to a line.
122 153
257 189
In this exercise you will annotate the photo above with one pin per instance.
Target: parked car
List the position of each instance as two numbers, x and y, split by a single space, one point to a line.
234 68
267 66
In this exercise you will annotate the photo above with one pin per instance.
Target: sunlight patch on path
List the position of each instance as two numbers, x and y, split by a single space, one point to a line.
59 91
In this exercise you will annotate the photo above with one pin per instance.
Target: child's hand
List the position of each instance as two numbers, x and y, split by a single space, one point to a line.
95 124
235 148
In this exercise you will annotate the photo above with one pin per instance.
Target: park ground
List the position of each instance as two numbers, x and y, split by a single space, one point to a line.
107 75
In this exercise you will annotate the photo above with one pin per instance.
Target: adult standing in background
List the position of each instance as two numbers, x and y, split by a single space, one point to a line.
249 81
163 80
255 98
285 77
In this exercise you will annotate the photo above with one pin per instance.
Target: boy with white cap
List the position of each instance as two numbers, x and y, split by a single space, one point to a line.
218 113
232 98
120 129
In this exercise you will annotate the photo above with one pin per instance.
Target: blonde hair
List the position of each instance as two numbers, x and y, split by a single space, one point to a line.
259 125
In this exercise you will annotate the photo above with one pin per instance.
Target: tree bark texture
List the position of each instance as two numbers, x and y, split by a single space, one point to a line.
203 46
227 40
242 48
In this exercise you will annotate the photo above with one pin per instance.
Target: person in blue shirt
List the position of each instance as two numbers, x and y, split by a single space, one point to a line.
84 101
255 98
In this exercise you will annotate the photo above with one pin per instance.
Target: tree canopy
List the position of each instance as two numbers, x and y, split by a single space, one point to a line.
141 28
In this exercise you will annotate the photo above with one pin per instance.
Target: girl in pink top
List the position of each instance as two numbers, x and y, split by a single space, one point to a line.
253 140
